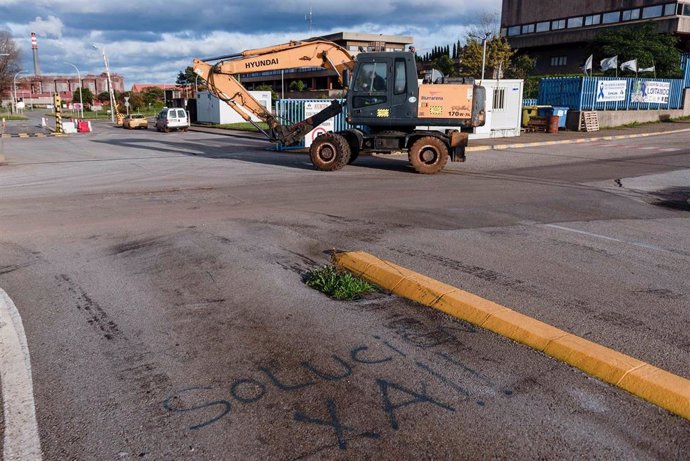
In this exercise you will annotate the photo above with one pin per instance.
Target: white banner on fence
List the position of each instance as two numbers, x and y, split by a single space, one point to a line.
653 92
310 109
611 90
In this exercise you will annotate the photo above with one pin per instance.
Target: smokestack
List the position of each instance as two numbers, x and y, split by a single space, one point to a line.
34 49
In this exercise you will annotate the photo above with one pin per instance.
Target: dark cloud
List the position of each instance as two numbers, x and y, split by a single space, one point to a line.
153 39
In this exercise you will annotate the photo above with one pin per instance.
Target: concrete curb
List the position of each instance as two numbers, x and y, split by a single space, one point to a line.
571 141
641 379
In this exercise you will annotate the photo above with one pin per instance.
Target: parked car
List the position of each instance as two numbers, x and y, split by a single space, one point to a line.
133 121
172 119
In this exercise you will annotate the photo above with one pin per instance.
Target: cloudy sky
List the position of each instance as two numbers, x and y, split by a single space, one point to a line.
150 41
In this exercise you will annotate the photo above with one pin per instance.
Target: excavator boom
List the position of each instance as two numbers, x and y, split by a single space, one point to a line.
220 78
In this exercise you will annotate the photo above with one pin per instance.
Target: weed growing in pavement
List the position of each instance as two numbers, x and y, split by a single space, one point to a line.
338 284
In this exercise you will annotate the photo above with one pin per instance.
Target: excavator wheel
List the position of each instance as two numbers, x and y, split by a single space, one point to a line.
329 152
428 155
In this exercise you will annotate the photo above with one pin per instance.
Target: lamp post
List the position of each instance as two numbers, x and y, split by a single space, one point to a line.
14 89
110 83
484 40
81 101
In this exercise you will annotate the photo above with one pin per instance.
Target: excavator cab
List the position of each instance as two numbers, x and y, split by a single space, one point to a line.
383 90
384 93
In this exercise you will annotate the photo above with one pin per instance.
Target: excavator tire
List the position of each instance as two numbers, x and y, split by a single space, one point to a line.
428 155
354 153
329 152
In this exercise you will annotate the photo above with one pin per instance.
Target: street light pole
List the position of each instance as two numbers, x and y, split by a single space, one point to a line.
81 101
14 89
110 84
486 37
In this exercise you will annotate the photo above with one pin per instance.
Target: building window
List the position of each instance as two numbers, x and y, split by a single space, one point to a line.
613 16
670 9
558 24
652 11
543 26
574 22
513 30
559 61
528 29
593 20
499 99
631 15
686 10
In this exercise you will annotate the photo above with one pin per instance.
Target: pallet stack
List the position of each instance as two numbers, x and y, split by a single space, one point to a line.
589 121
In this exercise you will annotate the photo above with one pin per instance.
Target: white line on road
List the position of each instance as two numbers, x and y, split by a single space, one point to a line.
637 244
21 440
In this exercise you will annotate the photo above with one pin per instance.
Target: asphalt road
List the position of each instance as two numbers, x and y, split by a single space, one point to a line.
159 280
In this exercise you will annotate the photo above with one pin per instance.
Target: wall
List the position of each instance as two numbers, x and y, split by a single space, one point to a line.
614 118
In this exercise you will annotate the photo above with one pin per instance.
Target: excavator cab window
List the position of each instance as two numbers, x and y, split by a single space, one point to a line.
370 86
400 77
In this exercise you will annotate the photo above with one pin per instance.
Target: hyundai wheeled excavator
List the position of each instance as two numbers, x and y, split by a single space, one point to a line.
387 107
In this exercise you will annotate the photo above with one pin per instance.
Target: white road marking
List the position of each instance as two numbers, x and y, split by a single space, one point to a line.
21 440
604 237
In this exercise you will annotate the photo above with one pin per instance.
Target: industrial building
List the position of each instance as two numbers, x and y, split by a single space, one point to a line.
557 32
39 89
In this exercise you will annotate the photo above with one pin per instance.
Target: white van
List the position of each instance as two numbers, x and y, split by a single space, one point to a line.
172 119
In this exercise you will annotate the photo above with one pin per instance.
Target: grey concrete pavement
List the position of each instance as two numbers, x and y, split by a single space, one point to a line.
159 277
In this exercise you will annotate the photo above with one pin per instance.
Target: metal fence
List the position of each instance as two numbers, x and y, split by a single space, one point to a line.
291 111
529 102
580 93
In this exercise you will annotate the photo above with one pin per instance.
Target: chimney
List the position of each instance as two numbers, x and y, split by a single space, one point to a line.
34 49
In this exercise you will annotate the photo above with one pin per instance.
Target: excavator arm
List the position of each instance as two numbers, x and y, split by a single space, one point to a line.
220 79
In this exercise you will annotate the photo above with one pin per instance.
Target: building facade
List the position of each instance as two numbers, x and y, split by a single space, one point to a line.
557 32
39 89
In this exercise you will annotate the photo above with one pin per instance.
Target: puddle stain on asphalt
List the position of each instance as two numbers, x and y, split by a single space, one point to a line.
675 198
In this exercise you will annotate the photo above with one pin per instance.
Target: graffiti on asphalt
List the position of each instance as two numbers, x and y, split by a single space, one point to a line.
394 394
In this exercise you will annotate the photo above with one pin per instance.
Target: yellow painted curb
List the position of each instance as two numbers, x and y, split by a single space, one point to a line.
653 384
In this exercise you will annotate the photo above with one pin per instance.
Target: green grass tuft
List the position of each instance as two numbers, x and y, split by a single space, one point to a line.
338 284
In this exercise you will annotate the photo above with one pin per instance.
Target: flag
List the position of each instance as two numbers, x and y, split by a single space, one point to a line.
588 64
609 63
648 69
630 65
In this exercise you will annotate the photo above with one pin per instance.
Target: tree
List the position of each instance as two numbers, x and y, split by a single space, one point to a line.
136 101
186 77
297 85
471 57
86 96
643 43
520 67
10 64
152 95
498 54
103 96
446 65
